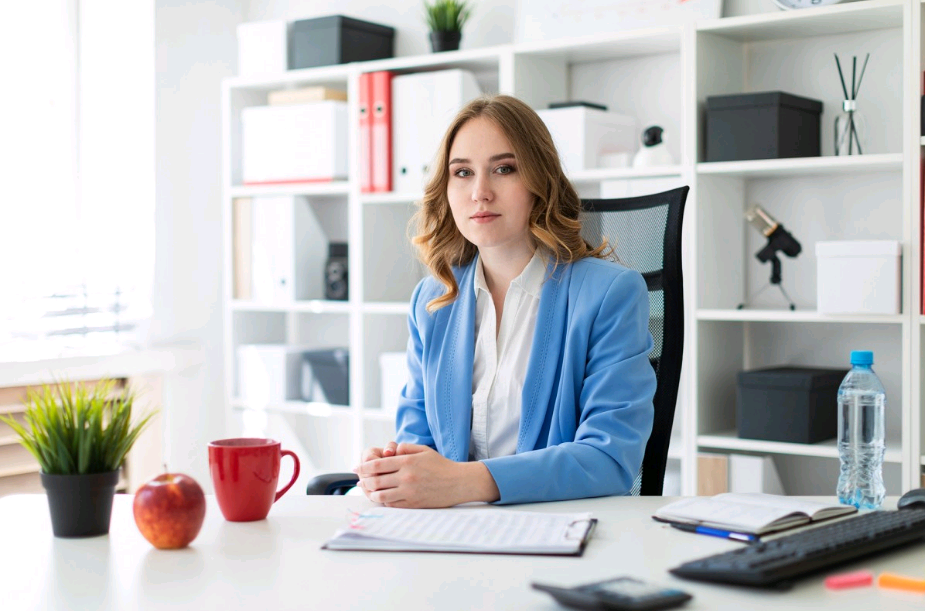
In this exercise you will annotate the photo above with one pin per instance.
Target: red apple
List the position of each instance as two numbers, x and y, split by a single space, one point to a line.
169 510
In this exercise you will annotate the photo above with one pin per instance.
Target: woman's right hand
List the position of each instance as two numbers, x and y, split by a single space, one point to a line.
372 454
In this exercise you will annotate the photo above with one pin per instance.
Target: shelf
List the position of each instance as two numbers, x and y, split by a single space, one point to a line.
797 316
325 75
315 306
728 440
804 166
385 307
8 440
606 46
486 59
12 408
922 141
305 408
316 189
375 199
599 174
809 23
20 469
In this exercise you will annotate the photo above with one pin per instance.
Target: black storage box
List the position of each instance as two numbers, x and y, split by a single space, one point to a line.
767 125
324 41
326 376
793 404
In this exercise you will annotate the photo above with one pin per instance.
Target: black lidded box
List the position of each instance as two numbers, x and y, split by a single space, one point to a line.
336 39
792 404
766 125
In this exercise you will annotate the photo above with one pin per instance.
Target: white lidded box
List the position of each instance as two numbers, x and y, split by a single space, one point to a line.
262 47
293 144
858 277
583 134
393 375
270 372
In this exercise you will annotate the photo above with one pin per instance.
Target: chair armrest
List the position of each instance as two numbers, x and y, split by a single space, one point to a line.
331 483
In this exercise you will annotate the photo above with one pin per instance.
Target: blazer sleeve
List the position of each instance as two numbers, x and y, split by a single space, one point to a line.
411 420
616 411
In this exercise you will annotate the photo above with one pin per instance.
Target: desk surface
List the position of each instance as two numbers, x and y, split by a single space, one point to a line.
277 563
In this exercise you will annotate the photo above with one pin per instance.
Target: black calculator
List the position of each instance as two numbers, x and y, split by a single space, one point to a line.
619 594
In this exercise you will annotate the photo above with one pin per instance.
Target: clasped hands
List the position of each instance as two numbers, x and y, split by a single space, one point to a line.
416 476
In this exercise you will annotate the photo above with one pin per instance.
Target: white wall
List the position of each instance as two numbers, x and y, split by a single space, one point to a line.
195 49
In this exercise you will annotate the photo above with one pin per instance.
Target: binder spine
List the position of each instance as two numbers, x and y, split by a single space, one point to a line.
382 131
364 150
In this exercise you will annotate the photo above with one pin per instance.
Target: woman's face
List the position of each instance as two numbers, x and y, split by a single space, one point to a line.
490 204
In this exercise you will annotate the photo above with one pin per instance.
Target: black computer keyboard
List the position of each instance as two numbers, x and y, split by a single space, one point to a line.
778 561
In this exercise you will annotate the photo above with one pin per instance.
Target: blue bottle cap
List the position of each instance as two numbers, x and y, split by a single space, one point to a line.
862 357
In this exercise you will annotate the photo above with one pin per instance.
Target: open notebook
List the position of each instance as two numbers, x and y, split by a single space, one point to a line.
752 513
465 529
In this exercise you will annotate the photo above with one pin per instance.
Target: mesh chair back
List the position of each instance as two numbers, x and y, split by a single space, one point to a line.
645 233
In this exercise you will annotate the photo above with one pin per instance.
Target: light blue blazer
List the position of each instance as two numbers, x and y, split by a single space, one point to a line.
587 400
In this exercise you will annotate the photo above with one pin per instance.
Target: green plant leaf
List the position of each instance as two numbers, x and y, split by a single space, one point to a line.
447 15
73 428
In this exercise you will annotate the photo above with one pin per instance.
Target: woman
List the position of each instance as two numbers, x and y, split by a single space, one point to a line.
529 375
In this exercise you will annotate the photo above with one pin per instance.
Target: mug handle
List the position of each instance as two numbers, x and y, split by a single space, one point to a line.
295 473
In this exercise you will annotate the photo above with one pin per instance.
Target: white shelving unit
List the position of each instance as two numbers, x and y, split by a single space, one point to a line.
661 76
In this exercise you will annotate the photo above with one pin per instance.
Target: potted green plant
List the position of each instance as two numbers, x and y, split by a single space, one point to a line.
80 435
446 19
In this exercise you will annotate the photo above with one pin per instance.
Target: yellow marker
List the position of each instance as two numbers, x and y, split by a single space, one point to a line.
901 582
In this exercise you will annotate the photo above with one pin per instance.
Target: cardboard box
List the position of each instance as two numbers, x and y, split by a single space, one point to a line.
336 39
262 47
270 372
294 144
859 277
583 134
764 125
791 404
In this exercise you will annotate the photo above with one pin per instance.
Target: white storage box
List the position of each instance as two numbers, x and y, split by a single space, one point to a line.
583 134
393 375
270 372
293 144
858 277
262 47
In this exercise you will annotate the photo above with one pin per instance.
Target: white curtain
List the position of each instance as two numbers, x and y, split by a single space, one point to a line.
77 169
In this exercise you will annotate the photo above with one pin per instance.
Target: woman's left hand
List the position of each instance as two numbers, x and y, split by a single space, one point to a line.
418 477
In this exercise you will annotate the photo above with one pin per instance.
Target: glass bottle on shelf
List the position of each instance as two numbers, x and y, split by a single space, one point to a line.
850 130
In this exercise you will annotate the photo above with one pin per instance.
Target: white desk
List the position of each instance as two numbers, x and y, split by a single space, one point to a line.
278 564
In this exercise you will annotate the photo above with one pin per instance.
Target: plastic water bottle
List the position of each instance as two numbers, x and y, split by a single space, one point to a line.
861 413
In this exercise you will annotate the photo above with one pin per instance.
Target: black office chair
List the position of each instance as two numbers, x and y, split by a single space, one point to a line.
645 233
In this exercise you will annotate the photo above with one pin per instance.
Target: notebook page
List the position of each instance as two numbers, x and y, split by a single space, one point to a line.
468 528
726 512
790 503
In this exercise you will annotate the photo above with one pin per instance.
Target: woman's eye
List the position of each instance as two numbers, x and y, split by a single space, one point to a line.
505 169
462 173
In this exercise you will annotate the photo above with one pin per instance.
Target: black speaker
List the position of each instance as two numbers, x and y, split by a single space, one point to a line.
335 272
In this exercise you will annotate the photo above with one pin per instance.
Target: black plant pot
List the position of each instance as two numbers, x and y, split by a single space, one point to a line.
445 41
80 505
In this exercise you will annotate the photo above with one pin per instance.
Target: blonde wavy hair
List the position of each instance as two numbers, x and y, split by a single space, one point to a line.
553 221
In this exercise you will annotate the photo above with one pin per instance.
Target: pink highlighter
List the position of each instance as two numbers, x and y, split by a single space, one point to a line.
857 579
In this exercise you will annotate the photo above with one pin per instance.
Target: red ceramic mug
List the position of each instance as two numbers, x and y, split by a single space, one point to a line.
245 472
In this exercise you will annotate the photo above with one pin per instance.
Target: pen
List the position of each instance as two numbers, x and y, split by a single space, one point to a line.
715 532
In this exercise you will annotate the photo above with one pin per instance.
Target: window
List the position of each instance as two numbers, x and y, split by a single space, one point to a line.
77 166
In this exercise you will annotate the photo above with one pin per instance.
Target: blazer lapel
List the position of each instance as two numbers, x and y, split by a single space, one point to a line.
545 354
453 382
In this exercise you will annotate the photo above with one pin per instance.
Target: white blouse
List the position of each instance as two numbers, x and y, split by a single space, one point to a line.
500 364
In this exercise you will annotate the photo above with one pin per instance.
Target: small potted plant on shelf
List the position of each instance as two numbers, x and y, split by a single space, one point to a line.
446 19
80 436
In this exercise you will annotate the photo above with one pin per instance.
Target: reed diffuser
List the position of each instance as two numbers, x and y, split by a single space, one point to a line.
850 124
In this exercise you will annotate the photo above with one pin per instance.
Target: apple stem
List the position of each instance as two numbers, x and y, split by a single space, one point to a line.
165 467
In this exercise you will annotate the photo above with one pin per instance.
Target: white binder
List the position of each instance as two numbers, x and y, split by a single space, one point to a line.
422 107
289 250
